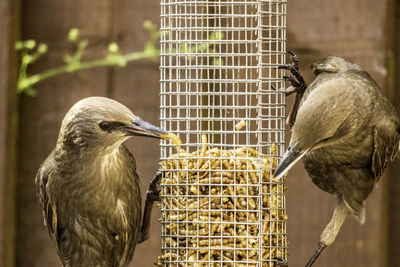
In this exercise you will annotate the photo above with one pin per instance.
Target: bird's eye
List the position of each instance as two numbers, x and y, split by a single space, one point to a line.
105 126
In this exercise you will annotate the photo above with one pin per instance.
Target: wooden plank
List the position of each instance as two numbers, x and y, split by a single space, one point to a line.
137 86
9 29
354 30
4 27
392 192
49 22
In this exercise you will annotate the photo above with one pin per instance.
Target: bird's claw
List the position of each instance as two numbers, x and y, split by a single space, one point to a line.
153 193
295 79
294 58
293 82
280 262
298 85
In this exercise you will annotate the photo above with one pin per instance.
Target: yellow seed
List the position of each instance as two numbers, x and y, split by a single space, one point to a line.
240 125
175 140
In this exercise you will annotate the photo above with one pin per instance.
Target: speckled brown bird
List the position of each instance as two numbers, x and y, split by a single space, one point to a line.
348 133
88 186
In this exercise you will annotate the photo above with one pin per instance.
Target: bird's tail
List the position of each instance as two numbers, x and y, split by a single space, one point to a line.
360 217
356 209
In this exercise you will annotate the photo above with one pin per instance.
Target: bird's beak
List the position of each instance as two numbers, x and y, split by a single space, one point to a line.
143 128
292 155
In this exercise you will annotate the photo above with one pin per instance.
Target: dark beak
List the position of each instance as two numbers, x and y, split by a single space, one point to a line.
140 127
292 155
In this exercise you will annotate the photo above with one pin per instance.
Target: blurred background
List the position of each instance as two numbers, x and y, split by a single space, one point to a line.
364 31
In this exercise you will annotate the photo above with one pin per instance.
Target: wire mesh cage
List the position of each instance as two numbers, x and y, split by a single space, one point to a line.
219 65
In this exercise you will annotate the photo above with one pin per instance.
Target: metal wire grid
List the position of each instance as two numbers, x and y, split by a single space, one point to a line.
219 63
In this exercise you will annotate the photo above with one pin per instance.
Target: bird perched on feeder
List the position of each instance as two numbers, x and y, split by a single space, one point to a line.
348 133
89 189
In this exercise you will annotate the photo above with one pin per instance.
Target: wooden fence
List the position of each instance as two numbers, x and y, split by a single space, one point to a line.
365 31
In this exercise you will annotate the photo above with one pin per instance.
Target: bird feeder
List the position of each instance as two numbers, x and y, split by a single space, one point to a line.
219 66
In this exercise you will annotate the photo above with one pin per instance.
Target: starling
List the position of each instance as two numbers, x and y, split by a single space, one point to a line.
348 133
89 189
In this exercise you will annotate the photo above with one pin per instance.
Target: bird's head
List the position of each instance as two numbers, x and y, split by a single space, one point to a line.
323 112
103 122
318 122
333 64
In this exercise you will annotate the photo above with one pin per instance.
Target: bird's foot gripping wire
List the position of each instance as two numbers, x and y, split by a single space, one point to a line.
280 262
298 85
296 80
153 192
317 252
152 195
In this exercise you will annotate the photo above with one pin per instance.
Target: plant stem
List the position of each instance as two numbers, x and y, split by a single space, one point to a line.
111 60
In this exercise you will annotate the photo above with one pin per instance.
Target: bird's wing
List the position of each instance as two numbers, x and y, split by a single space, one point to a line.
49 209
385 147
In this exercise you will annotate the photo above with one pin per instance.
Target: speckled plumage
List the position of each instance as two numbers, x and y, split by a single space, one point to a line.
89 189
347 132
351 129
84 208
